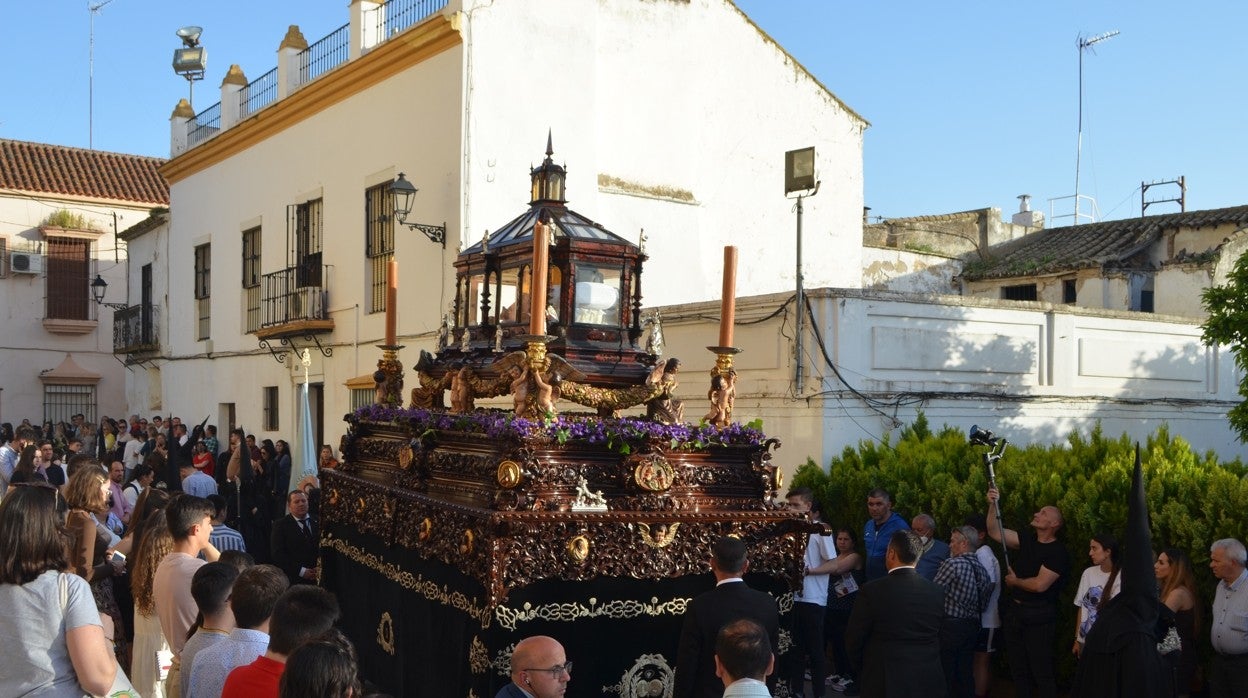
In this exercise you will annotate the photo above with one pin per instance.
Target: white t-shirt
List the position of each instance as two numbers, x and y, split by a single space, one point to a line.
171 595
819 549
991 617
1091 587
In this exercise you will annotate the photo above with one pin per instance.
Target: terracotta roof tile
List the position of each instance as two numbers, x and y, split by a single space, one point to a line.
1102 244
55 169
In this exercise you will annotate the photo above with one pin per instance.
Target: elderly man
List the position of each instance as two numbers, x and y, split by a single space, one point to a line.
878 529
932 551
1228 674
968 587
893 638
539 669
1040 568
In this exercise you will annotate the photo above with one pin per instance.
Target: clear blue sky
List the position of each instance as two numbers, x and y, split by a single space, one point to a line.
970 104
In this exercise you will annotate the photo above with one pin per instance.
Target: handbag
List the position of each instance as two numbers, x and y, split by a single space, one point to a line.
121 688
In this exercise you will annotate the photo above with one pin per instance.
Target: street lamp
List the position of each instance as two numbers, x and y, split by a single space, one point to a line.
403 193
98 288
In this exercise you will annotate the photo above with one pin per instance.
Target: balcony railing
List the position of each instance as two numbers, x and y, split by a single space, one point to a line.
134 329
295 294
325 55
396 15
206 125
258 94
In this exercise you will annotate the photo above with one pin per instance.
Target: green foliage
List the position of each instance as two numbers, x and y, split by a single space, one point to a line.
1193 499
1227 324
63 218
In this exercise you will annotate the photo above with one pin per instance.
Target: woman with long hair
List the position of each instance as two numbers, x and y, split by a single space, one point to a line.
93 544
53 639
26 469
281 478
153 546
847 577
1097 586
1178 592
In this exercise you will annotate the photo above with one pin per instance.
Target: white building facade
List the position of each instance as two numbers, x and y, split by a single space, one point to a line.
280 222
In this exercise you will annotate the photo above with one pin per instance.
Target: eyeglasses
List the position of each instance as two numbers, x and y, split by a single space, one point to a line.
556 671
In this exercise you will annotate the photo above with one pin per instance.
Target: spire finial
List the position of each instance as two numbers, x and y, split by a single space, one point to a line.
550 150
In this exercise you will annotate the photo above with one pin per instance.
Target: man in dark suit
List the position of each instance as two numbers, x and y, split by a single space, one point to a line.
296 541
893 637
539 669
729 601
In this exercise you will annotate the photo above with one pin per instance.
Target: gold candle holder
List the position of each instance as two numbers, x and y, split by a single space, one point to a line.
534 397
723 392
389 376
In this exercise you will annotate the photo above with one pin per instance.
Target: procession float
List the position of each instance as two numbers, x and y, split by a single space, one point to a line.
451 531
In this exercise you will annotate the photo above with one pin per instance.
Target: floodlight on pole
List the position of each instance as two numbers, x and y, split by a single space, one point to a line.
1084 44
799 176
190 60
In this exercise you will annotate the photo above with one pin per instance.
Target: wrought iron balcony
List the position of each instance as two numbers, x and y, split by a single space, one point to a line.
295 301
135 329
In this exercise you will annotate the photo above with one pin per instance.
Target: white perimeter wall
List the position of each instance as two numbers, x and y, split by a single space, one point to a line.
1030 372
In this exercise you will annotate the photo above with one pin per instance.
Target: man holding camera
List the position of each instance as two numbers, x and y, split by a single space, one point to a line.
1032 583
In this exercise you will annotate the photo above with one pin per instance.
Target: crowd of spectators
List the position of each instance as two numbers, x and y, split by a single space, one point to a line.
105 532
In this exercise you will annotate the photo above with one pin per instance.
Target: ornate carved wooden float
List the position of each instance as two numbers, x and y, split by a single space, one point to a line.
450 534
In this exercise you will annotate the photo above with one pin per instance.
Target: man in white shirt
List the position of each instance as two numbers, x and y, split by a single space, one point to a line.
810 603
1228 676
743 659
252 600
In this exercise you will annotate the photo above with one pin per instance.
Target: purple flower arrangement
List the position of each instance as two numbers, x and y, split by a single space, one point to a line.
623 435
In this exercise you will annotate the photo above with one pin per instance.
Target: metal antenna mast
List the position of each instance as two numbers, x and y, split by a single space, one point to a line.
1084 44
92 11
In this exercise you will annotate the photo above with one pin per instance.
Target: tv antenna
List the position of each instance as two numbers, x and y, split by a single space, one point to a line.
93 9
1084 44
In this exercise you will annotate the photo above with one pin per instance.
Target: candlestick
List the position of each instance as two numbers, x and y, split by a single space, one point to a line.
723 392
537 300
392 301
728 300
389 377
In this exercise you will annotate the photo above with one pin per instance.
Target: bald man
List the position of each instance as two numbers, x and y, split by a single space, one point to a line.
539 669
1033 581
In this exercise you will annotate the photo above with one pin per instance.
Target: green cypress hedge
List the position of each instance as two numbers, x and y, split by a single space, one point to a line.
1193 498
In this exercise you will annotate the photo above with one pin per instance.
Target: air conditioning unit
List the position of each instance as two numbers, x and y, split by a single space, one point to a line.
26 263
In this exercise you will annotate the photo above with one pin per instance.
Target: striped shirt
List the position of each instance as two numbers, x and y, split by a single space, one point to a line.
224 538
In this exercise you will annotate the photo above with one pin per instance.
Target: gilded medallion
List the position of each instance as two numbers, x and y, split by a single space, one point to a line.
509 474
654 473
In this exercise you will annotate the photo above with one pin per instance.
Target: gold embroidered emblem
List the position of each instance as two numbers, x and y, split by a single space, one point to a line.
385 633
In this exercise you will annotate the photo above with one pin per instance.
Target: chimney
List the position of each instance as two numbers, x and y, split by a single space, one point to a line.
1025 216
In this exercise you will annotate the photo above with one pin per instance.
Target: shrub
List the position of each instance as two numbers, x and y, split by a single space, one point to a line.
1193 499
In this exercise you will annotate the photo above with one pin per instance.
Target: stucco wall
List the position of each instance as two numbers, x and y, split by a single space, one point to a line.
665 133
1030 373
26 347
887 269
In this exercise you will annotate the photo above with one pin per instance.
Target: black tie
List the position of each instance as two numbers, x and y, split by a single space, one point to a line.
307 530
